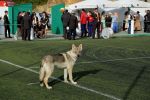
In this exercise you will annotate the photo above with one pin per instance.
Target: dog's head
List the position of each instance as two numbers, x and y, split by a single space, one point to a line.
77 49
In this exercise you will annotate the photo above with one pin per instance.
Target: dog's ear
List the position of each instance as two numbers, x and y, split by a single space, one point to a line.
73 46
80 47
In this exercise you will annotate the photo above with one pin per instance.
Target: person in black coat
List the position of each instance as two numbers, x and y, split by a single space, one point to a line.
108 20
19 18
65 18
22 25
147 22
6 25
27 25
73 24
96 23
45 21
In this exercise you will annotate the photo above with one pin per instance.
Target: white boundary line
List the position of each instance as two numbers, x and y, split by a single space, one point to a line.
33 83
79 86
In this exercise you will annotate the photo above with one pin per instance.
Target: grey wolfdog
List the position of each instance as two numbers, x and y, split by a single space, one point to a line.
65 61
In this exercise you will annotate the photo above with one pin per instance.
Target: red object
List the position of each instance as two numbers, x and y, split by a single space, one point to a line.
90 18
83 18
4 3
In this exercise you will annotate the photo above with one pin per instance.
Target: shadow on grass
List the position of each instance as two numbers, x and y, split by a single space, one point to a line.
9 73
127 93
76 75
17 70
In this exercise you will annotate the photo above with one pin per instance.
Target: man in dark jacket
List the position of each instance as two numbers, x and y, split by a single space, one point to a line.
6 25
65 20
96 23
73 24
108 20
22 25
148 21
27 25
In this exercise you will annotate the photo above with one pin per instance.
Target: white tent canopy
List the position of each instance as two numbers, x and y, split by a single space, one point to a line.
105 4
88 4
84 4
129 3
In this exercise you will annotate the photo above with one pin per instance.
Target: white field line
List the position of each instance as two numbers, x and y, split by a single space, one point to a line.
111 60
79 86
33 83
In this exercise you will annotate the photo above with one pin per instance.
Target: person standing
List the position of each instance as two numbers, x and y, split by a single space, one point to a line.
18 32
148 22
137 23
27 25
96 23
45 21
22 25
90 23
103 25
108 20
131 25
35 21
65 18
145 20
73 24
115 22
83 21
125 21
6 25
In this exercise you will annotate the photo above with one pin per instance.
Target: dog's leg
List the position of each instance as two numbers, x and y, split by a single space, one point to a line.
47 75
41 76
65 75
46 83
70 75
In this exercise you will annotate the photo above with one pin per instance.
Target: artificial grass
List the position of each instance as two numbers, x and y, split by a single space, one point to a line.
126 79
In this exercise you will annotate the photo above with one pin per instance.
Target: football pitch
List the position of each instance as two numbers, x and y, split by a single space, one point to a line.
114 69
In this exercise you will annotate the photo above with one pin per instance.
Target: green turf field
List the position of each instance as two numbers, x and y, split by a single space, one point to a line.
117 68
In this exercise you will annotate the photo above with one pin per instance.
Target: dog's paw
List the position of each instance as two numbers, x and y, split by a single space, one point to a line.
49 87
66 81
41 84
74 83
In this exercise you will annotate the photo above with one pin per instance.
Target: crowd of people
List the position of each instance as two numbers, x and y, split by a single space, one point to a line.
93 22
70 23
136 20
28 24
